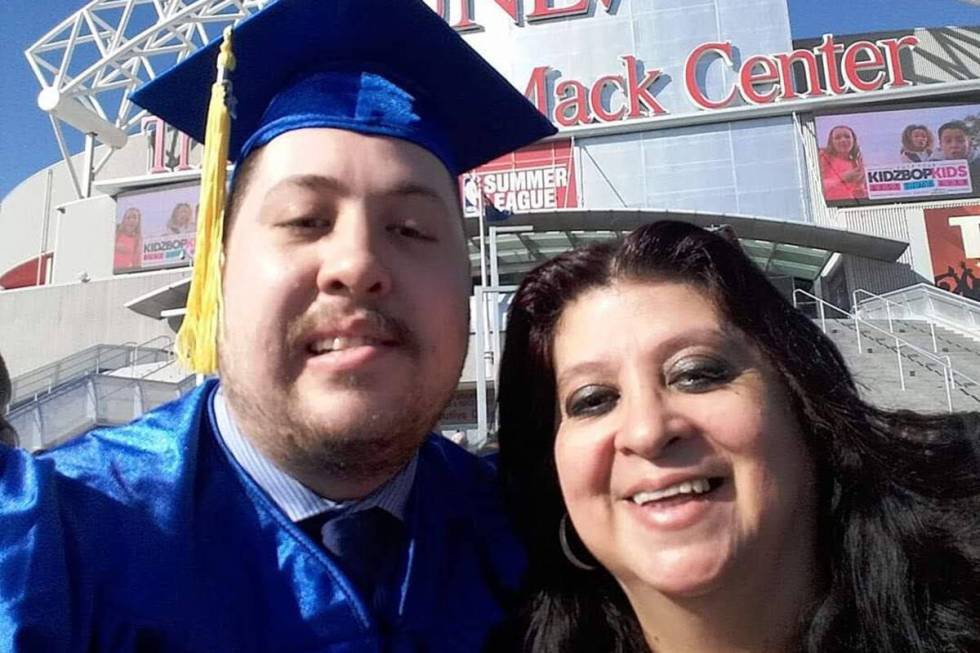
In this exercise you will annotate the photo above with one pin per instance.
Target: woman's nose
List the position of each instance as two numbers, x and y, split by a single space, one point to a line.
649 426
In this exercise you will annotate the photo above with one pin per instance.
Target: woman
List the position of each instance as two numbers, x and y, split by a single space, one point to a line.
181 219
129 241
732 492
917 143
841 166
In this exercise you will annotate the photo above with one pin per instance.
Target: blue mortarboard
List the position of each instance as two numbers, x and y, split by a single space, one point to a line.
384 67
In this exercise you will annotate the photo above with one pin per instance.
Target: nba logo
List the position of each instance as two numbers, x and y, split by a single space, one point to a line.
472 198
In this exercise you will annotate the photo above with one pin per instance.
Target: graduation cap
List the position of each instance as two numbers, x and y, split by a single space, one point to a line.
378 67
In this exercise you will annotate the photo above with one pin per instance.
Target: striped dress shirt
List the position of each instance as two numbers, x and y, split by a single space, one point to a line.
293 498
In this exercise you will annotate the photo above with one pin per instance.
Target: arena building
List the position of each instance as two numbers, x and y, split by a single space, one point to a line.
847 165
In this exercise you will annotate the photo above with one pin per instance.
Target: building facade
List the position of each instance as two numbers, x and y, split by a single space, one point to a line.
702 110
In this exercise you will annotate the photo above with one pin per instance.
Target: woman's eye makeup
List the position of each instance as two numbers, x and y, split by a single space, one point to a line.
699 374
692 373
590 400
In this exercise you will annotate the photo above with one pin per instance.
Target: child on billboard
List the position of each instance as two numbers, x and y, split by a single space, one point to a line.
955 144
917 144
129 241
842 167
182 220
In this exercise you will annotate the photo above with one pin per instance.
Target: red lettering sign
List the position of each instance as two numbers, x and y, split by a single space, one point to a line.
759 70
638 92
763 79
459 13
854 63
723 50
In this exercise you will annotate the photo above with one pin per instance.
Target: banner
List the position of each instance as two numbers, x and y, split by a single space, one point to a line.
155 229
954 245
539 177
906 155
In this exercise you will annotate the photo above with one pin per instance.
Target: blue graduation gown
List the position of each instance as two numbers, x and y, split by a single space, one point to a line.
149 537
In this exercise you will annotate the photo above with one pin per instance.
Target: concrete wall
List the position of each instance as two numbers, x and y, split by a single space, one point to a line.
42 325
83 240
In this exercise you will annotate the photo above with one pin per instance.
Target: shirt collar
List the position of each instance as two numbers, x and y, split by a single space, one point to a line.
291 496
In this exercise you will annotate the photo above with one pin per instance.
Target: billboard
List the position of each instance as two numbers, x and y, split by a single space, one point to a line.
539 177
900 155
155 229
954 246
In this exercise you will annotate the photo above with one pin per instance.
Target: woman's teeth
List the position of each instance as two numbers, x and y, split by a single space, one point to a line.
697 486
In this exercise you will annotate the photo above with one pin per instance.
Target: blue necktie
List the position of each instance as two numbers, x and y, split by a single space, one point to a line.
367 544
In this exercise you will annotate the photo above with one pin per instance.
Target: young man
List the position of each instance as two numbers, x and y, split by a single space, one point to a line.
955 145
299 504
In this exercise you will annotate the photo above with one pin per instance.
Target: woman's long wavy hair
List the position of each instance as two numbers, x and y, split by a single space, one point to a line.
898 491
852 154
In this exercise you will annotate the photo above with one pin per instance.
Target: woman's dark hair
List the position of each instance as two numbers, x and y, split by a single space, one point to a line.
897 491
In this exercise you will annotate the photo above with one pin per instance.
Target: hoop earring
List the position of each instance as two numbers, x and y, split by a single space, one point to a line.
567 549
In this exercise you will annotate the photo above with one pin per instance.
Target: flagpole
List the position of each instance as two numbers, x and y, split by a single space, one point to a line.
483 243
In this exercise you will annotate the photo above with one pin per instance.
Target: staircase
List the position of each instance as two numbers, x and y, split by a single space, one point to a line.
99 386
901 356
883 364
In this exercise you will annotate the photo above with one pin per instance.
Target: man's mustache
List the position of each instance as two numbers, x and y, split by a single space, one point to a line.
325 316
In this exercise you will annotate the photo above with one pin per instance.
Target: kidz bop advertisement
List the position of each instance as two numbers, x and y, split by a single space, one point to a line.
911 154
155 229
535 178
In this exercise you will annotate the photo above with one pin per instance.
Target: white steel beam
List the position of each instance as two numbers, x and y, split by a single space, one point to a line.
89 63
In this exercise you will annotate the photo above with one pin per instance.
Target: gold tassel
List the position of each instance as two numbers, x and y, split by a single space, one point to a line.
197 341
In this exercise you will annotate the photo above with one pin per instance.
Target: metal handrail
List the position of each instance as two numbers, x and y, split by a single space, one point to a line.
136 380
933 294
127 384
74 383
888 304
913 315
947 364
77 365
944 295
94 359
68 361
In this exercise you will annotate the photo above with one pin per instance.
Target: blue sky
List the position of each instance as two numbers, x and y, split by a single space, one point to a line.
27 143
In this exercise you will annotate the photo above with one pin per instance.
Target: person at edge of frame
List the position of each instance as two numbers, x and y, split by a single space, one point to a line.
689 461
7 433
298 502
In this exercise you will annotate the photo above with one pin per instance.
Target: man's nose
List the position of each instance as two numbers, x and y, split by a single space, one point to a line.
351 259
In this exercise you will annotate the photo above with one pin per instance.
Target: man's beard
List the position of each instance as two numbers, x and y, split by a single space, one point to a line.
375 446
281 422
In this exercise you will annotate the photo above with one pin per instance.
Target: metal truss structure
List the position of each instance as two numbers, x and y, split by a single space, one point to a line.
89 63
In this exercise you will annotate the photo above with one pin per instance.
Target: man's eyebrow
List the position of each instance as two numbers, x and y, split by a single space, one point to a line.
310 182
414 188
327 183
